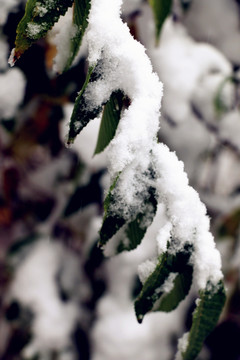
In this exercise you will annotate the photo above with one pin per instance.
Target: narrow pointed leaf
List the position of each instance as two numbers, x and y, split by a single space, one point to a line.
111 223
152 291
82 113
205 318
136 225
182 285
80 14
39 17
137 228
110 120
161 10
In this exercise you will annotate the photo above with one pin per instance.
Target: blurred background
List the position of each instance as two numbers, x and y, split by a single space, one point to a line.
60 299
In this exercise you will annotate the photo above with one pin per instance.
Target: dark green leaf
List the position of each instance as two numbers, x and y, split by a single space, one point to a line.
161 9
39 17
151 291
21 244
205 318
182 285
110 120
81 113
137 228
111 223
136 224
80 15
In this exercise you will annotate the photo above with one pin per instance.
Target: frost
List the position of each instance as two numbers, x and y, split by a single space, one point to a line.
40 9
33 30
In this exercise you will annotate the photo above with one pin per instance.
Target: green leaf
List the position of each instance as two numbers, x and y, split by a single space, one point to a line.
182 285
82 114
111 223
136 224
161 10
137 228
205 318
21 244
80 14
110 120
152 291
39 17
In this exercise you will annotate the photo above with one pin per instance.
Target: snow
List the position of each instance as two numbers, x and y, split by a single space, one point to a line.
187 215
134 151
116 334
202 22
163 237
33 30
35 287
60 36
168 284
3 54
182 346
12 86
146 268
197 71
7 6
85 142
110 41
229 128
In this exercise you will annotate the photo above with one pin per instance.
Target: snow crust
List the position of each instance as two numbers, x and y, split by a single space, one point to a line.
134 151
123 60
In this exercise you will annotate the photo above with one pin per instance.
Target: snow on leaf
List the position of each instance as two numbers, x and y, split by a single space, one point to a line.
153 287
39 17
181 286
82 111
137 217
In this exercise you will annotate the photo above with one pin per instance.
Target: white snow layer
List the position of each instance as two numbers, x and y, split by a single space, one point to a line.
12 86
116 334
35 287
60 35
135 149
126 67
6 7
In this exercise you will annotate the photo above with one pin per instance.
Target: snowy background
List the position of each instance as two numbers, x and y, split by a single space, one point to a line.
59 297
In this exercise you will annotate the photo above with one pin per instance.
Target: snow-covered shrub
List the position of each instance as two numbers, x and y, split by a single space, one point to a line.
148 185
